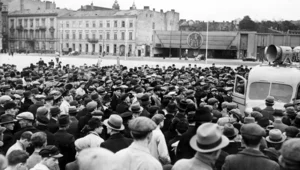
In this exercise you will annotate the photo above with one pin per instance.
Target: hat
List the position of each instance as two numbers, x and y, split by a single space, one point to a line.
114 122
42 111
54 111
172 107
91 106
63 120
49 98
290 111
141 125
124 96
208 139
230 131
290 153
236 113
297 102
10 105
278 113
291 131
50 151
145 98
203 115
189 92
182 105
7 119
158 118
136 108
25 116
212 101
263 122
101 90
39 96
97 113
275 136
153 109
73 110
257 115
74 103
126 115
248 120
94 96
182 126
224 120
270 100
252 129
231 106
257 109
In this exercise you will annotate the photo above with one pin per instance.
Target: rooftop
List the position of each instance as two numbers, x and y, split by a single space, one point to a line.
58 12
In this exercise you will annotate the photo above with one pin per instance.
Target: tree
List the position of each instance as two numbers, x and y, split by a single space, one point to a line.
247 24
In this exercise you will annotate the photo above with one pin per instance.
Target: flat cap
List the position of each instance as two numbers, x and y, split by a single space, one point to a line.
158 118
25 116
141 125
212 101
91 106
252 129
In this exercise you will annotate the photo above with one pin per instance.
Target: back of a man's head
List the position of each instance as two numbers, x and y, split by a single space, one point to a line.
26 135
95 159
39 139
16 157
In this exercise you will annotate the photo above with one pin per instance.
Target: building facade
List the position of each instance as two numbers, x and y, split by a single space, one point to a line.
34 31
115 32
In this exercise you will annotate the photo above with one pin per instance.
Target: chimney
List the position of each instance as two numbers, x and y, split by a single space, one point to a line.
173 10
153 9
146 7
162 11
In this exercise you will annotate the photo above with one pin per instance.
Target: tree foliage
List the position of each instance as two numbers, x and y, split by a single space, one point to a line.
247 24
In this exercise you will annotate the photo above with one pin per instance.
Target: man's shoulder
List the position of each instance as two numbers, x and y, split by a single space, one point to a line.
181 164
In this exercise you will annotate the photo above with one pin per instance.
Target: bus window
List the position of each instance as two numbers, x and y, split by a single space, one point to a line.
281 92
240 86
259 90
298 93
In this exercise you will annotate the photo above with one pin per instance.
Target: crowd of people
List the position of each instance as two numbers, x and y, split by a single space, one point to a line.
117 118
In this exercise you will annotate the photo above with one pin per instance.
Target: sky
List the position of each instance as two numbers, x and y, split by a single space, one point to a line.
207 10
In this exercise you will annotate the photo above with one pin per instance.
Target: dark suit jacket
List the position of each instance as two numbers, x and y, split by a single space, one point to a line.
19 133
233 148
81 113
83 121
73 128
116 142
249 159
8 140
33 108
184 149
50 137
167 122
66 146
268 113
114 102
72 166
53 126
122 107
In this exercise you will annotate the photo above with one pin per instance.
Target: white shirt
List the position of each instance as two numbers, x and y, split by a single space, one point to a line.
80 92
16 146
40 166
64 108
158 146
136 157
93 140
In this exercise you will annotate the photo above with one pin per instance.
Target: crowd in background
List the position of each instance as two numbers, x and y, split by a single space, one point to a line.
56 116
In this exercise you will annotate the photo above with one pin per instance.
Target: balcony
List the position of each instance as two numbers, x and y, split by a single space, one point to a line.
20 28
12 29
92 40
43 28
51 29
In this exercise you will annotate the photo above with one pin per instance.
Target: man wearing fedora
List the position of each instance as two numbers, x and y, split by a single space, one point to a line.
65 141
116 141
26 120
207 143
137 155
269 110
251 157
8 122
274 141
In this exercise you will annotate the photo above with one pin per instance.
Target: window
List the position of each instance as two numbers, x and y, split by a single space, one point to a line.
115 24
130 35
31 23
44 22
80 24
37 34
100 48
131 24
12 23
80 36
260 91
115 36
51 22
107 24
80 48
74 36
31 34
51 35
73 46
67 45
153 25
100 24
94 36
86 47
100 36
25 34
73 24
129 49
20 22
25 23
67 36
115 48
43 34
94 24
107 48
67 24
107 35
51 45
123 35
123 24
37 22
87 24
86 36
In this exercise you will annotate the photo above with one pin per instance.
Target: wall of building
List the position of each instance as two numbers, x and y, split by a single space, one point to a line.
15 5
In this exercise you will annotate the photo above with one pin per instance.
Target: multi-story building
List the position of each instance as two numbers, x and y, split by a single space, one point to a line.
4 28
115 32
34 31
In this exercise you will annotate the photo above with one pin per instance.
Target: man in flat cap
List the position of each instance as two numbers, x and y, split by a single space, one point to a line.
50 155
137 155
251 157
